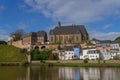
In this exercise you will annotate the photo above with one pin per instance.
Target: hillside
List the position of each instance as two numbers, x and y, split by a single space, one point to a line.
117 39
11 54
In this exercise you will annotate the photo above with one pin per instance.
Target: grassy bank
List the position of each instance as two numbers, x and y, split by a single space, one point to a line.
11 55
77 64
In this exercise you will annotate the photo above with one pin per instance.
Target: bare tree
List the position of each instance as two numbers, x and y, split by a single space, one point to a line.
18 34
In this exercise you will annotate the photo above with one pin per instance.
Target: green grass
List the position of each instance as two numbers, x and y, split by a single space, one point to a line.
11 54
78 64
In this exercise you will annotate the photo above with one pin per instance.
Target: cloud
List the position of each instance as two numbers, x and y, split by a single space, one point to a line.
105 36
107 26
76 11
3 35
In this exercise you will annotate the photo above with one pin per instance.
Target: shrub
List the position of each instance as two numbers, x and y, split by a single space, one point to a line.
3 42
23 50
40 55
86 60
117 57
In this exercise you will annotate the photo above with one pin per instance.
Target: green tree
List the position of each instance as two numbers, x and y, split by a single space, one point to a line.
40 55
117 57
53 57
35 54
3 42
59 47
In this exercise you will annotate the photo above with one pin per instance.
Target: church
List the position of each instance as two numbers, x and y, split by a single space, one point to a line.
68 34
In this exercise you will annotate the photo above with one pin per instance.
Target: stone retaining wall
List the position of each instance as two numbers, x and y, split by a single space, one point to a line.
78 61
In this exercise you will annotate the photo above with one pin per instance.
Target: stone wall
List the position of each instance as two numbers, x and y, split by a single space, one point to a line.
66 38
20 44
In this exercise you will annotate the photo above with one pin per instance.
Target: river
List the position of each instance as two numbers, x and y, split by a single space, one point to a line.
58 73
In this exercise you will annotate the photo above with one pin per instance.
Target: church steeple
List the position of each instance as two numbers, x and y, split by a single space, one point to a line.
59 24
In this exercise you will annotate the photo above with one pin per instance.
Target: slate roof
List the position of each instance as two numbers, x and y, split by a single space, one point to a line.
72 29
105 41
41 33
30 34
108 41
68 48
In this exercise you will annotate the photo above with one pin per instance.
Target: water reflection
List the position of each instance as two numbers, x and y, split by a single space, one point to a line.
68 73
58 73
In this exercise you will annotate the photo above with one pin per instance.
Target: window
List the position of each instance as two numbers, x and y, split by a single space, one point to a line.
61 38
88 52
57 38
94 51
77 38
52 39
66 38
71 39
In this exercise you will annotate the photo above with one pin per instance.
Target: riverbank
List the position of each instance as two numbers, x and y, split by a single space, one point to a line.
78 63
13 63
67 63
63 64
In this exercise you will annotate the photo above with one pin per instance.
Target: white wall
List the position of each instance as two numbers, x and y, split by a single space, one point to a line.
114 46
66 55
90 55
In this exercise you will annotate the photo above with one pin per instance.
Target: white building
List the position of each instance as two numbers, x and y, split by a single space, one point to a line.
114 49
104 54
89 54
66 54
109 49
114 53
107 54
114 45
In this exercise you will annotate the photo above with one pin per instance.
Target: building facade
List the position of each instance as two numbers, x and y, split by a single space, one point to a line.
34 38
41 37
30 38
68 34
108 49
67 53
90 53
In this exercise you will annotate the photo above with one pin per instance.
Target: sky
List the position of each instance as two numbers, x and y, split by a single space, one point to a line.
100 17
